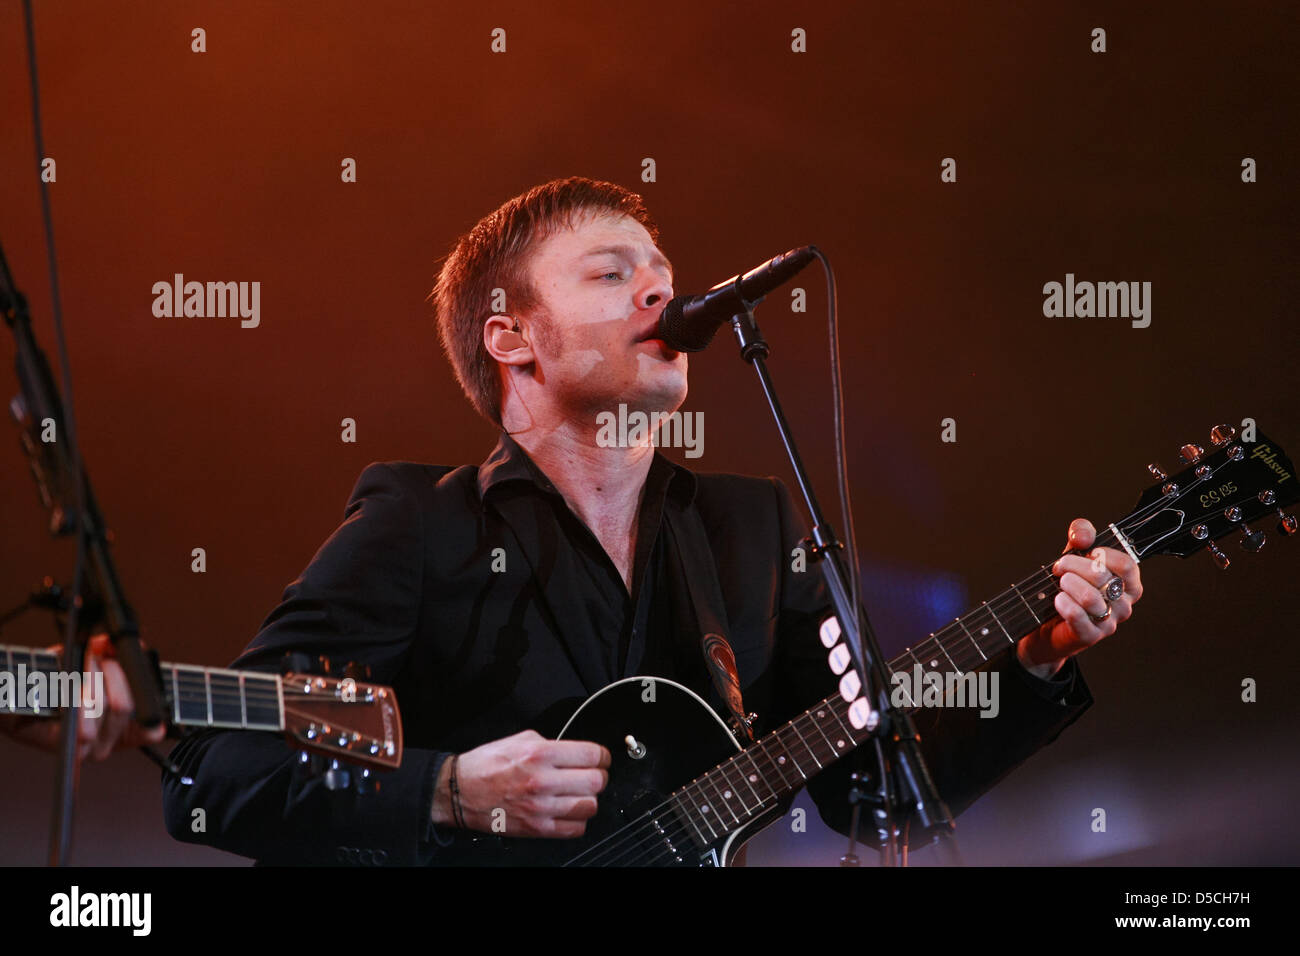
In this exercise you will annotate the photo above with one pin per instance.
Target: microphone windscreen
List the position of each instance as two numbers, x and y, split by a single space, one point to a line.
683 333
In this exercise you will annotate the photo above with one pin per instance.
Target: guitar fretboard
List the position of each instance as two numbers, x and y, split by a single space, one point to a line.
757 778
33 683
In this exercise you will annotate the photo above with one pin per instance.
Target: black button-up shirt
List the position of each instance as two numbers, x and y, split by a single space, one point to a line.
622 631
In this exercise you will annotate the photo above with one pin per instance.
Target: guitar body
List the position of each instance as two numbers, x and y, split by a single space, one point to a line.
680 737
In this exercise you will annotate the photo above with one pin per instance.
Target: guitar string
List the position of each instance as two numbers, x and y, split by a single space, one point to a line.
599 853
650 843
679 827
650 835
642 838
254 686
647 828
194 689
189 684
1013 599
682 828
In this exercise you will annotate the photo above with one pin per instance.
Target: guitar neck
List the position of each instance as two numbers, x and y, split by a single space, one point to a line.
33 684
751 782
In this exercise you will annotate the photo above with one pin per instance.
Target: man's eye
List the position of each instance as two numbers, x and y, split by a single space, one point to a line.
616 275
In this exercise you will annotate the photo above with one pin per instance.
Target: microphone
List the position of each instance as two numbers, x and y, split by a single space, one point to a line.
689 322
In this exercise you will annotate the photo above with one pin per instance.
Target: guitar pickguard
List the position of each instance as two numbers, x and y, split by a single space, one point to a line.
660 736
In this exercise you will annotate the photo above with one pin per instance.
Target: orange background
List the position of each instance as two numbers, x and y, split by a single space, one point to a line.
1123 166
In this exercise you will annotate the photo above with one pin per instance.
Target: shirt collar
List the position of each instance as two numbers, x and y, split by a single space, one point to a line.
508 462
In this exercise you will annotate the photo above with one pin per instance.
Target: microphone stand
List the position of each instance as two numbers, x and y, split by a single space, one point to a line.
96 602
911 792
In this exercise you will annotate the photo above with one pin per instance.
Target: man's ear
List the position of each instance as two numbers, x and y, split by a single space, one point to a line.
506 341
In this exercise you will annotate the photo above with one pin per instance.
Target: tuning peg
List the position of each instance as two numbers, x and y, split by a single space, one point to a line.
1191 453
1286 523
1252 541
1220 558
1157 472
1221 434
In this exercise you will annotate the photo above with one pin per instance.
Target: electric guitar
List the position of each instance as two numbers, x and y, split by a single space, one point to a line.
684 792
337 718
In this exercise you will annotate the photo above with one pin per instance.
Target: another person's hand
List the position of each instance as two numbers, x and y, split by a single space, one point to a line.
1087 615
527 784
98 736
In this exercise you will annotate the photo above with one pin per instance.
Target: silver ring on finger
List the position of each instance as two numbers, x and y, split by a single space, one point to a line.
1097 620
1113 589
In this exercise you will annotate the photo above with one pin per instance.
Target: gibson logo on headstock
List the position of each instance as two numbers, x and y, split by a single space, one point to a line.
1269 457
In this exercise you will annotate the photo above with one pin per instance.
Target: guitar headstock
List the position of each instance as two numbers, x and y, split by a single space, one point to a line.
1221 490
343 719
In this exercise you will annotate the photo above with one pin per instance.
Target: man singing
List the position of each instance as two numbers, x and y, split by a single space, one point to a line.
496 598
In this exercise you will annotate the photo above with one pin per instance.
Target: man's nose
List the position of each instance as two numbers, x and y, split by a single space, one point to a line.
654 290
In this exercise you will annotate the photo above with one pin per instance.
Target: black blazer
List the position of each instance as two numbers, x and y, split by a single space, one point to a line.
402 586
